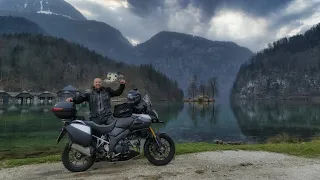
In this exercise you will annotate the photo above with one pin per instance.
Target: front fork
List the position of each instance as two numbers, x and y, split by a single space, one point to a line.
156 138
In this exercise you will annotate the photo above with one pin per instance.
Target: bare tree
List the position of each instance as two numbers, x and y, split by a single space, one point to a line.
190 90
193 86
213 86
202 89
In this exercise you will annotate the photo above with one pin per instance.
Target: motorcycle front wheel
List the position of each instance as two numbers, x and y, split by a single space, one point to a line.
160 155
74 161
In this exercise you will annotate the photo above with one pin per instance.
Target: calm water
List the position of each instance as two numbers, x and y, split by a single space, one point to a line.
32 130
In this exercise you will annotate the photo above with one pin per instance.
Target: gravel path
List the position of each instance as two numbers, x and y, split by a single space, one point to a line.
226 165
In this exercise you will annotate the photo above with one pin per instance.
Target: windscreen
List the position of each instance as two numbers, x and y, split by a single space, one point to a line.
147 99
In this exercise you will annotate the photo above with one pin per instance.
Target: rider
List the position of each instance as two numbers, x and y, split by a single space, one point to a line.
99 101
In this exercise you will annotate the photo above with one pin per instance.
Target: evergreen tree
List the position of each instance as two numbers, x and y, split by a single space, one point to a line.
40 63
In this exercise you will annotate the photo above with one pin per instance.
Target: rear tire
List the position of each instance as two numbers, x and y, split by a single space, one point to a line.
151 143
68 163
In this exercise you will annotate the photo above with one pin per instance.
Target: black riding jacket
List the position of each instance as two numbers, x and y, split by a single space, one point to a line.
99 102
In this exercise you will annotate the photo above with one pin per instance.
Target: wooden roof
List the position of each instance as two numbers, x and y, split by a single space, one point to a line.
3 93
28 94
46 94
25 94
69 88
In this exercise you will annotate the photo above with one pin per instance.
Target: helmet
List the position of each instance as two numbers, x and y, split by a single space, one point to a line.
134 97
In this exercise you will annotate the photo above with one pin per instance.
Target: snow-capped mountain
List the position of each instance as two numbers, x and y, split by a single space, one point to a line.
52 7
176 55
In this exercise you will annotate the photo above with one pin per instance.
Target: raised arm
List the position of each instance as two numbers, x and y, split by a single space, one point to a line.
81 98
117 92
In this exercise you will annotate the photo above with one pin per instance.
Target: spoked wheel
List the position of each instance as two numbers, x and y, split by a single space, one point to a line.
75 161
160 155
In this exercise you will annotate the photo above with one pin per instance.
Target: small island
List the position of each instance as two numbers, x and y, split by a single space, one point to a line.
200 98
201 92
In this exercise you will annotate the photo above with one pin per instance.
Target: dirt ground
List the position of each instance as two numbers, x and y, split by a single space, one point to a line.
226 165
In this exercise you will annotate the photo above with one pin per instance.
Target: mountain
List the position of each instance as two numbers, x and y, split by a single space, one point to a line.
95 35
180 56
11 25
59 18
38 63
288 69
51 7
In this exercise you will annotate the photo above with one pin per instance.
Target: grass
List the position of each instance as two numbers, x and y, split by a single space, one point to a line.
284 138
280 145
306 149
27 161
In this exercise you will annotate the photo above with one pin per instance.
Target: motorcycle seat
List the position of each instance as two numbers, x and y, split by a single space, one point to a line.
101 128
124 122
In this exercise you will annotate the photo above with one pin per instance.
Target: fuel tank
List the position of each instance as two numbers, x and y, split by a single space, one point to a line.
141 121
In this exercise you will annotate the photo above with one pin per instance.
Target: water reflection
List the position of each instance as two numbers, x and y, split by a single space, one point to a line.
261 120
203 122
200 111
29 128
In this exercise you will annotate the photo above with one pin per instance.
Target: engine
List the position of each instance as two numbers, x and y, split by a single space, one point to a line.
126 145
123 147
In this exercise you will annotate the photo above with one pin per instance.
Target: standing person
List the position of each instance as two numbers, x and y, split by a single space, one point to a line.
99 99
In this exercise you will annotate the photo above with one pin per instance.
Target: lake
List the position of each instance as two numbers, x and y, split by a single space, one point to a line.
28 131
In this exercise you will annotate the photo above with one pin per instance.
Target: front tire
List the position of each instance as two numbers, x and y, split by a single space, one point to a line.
68 163
151 150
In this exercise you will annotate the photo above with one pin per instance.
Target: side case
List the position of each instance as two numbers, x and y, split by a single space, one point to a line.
79 134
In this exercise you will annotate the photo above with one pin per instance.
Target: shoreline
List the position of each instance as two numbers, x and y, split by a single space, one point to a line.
300 149
294 99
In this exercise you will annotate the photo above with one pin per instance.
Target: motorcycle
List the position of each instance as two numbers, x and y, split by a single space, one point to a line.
119 141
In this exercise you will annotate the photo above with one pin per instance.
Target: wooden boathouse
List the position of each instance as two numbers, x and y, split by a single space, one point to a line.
46 97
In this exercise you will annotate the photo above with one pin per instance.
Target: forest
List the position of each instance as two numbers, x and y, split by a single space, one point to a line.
38 63
286 53
287 69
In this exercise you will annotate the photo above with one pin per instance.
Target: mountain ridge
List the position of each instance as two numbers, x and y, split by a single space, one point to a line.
95 35
38 63
183 55
167 32
288 69
52 7
12 25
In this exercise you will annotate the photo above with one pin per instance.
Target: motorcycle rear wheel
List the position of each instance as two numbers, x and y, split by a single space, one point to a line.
151 150
74 167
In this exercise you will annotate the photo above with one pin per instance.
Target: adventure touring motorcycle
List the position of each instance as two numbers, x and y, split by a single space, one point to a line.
118 141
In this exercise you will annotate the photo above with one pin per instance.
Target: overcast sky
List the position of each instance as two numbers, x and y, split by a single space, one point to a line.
249 23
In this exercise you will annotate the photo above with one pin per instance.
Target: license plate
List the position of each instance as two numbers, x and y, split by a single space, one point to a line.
62 133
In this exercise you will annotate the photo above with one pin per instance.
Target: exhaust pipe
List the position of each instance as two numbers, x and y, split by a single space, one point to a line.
84 150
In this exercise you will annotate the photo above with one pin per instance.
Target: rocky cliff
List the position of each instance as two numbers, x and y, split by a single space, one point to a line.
288 69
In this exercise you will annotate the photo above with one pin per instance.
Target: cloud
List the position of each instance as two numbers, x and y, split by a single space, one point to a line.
134 42
236 25
87 13
249 23
143 8
298 17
